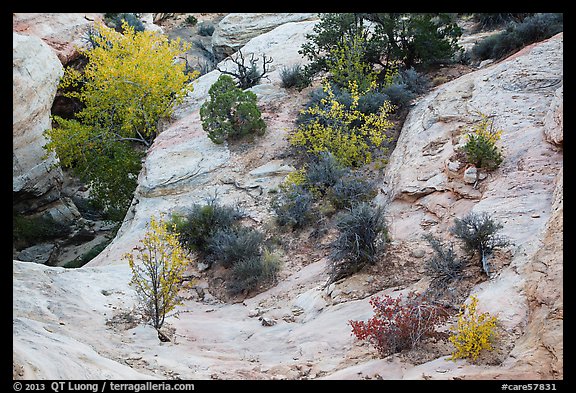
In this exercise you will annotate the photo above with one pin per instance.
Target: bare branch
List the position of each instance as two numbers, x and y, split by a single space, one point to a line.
247 75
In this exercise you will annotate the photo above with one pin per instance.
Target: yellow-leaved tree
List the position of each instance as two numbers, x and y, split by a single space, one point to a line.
346 132
131 80
159 275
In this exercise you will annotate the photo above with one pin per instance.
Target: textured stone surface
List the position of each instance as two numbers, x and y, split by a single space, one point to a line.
554 120
82 315
36 72
523 194
63 32
236 29
518 92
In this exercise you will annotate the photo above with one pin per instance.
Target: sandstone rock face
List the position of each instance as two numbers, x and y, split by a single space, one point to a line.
518 93
522 194
148 21
157 17
36 72
542 342
236 29
42 322
63 32
554 120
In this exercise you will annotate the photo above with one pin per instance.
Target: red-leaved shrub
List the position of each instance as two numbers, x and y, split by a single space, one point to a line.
398 325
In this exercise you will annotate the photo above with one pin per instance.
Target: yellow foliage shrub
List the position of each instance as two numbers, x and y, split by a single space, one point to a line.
158 277
131 80
346 132
473 332
295 178
484 128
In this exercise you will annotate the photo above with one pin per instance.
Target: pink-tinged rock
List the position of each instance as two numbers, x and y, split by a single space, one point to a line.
63 32
554 120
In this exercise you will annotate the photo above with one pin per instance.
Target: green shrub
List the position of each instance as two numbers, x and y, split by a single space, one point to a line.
230 112
233 244
28 230
389 39
191 20
481 149
294 77
482 152
362 231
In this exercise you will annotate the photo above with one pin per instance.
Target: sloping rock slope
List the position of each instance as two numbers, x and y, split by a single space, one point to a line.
35 75
81 323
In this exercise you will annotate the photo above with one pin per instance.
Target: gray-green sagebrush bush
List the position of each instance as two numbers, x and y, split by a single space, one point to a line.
294 207
230 245
215 232
362 234
443 266
518 34
248 274
196 228
479 233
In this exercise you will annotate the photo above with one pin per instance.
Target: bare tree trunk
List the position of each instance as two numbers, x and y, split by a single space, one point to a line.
484 261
